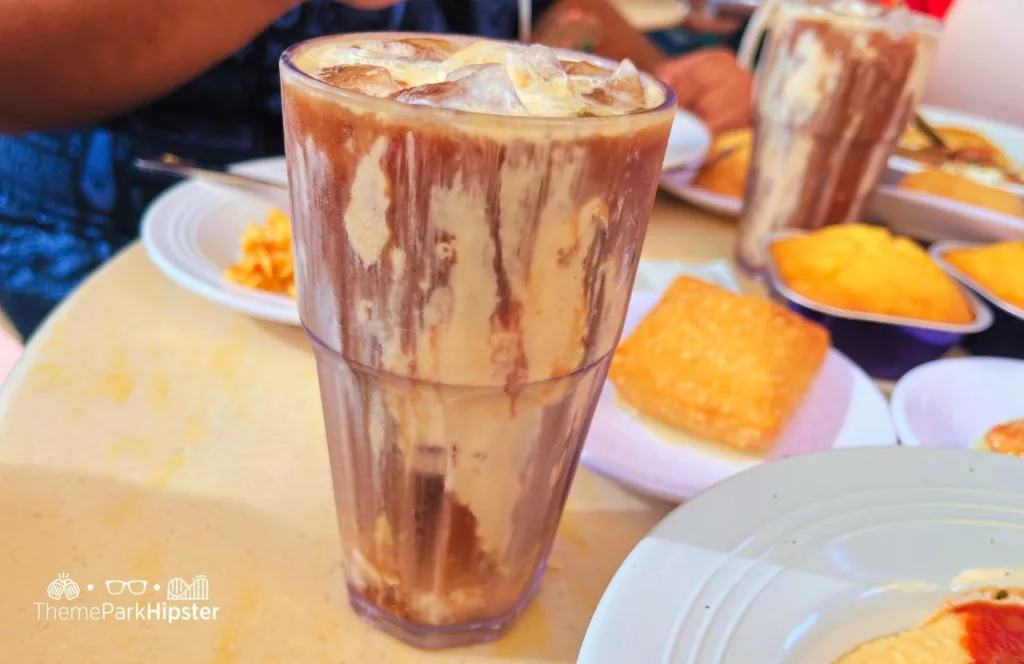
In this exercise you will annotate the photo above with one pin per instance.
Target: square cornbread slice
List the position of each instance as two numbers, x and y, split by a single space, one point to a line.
723 367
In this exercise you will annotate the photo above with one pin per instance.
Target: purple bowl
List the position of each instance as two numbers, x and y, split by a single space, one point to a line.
883 350
886 347
1006 336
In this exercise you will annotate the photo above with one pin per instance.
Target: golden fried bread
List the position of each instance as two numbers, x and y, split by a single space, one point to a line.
960 187
727 175
869 270
999 268
727 368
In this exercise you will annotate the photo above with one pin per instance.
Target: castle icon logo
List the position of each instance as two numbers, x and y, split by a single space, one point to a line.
182 591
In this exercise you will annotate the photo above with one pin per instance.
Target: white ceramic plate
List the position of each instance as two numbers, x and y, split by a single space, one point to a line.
679 184
843 408
687 144
799 561
932 218
954 402
191 232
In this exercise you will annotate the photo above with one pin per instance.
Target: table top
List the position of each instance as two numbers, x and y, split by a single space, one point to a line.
650 15
150 435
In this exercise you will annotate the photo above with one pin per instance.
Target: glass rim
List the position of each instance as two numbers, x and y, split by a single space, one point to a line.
358 99
908 21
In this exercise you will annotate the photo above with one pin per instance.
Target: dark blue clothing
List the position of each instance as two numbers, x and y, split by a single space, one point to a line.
69 200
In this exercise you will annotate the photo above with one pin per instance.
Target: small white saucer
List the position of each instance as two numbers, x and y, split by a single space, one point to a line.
954 402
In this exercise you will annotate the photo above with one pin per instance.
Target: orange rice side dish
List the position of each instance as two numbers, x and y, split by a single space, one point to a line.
267 262
866 269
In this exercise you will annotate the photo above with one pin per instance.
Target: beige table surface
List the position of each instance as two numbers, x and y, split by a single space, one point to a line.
148 434
648 15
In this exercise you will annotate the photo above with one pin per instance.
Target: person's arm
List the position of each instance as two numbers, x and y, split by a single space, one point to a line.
64 62
711 84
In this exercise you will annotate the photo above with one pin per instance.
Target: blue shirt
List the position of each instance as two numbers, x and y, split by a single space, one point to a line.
70 200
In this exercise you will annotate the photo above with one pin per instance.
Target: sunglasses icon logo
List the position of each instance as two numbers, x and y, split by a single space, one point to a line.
135 587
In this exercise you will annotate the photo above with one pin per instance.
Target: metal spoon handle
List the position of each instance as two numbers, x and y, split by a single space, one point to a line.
925 128
208 175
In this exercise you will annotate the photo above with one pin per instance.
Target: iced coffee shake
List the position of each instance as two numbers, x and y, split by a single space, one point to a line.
839 83
468 217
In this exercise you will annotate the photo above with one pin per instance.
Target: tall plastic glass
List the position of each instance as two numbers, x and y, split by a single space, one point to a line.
839 82
464 279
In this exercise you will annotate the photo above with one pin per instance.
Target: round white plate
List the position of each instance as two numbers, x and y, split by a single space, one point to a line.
843 408
688 144
799 561
192 232
682 187
954 402
932 218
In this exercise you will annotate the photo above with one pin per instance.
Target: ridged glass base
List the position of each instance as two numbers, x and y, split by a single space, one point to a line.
426 637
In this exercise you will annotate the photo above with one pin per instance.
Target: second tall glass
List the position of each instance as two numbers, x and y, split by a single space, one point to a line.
839 82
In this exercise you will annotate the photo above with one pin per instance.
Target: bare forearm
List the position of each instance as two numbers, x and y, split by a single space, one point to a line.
64 62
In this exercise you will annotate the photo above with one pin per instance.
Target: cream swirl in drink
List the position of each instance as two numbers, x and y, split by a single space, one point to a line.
468 219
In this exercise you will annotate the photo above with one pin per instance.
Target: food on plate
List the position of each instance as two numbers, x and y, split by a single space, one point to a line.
968 146
967 186
869 270
727 163
1006 438
998 268
267 262
728 368
987 629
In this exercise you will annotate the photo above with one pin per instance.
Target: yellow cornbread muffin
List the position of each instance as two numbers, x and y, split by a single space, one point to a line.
869 270
999 268
727 368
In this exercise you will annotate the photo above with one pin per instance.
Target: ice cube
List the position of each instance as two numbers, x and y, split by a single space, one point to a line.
623 91
479 53
626 81
430 48
536 66
367 79
463 72
482 89
583 68
421 49
387 50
